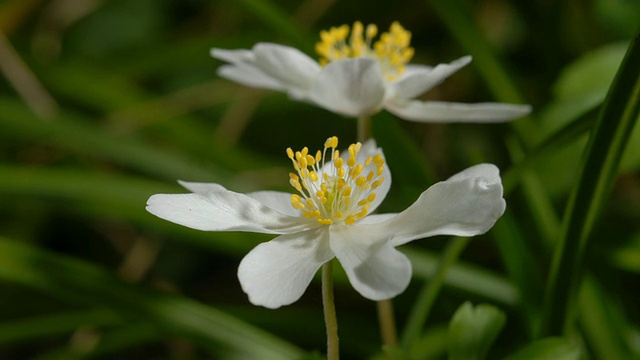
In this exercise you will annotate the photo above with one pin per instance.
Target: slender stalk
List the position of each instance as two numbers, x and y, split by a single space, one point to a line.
386 318
330 320
364 128
430 291
387 323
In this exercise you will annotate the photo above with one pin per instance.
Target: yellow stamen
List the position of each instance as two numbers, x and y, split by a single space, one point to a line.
331 192
392 50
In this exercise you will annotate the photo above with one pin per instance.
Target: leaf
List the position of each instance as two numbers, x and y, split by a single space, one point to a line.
598 173
472 330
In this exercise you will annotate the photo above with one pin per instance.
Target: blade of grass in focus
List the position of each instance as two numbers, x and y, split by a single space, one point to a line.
599 170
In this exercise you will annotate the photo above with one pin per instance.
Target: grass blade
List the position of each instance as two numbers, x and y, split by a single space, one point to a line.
606 145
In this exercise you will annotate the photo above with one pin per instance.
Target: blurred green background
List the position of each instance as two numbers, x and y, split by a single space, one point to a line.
104 103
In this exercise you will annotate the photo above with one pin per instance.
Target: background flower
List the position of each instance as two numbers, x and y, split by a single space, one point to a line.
359 77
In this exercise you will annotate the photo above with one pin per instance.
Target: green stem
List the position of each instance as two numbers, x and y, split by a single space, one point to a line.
330 320
364 128
608 140
387 323
386 318
430 291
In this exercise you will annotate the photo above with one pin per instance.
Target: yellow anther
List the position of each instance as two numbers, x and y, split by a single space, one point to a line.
372 31
331 142
311 160
370 176
376 183
333 194
380 170
378 159
357 170
368 161
295 184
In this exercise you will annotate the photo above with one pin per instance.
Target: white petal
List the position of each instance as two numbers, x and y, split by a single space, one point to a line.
376 218
249 75
467 204
440 111
411 69
375 268
352 87
277 272
277 200
286 64
200 187
232 56
419 81
224 210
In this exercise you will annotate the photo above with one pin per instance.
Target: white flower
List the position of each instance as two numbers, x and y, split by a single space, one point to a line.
331 217
356 77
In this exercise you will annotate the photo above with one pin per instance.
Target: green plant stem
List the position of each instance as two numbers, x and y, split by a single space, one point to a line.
364 128
430 291
598 172
387 322
386 318
330 320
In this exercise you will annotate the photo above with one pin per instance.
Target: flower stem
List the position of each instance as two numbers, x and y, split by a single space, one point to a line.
387 323
330 320
386 318
364 128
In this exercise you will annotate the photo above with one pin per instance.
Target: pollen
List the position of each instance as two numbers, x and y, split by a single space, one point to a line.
392 50
330 188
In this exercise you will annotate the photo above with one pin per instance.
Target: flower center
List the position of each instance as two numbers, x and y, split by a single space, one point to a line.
341 191
392 50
